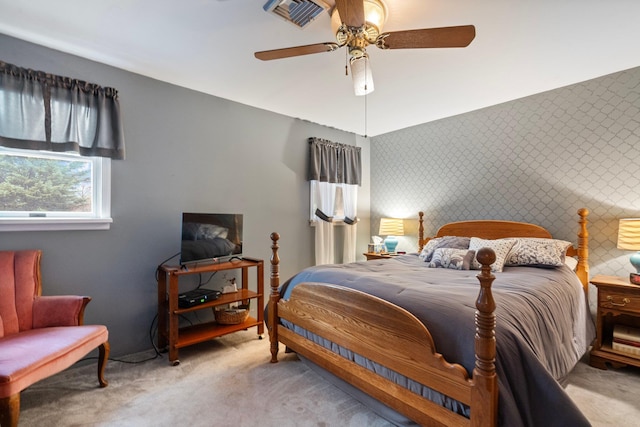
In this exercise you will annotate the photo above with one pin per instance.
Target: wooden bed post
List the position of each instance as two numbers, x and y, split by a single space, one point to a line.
484 395
274 298
420 231
582 270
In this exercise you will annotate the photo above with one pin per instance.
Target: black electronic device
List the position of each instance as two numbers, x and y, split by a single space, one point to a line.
197 297
210 238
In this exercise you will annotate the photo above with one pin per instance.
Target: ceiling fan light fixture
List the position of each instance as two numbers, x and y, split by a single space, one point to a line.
361 75
375 14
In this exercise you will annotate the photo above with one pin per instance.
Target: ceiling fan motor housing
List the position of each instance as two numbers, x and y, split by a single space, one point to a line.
358 38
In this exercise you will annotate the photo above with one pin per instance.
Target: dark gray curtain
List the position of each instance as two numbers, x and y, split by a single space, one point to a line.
334 162
40 111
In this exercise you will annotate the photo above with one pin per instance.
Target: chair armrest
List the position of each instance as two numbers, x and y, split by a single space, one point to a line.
59 310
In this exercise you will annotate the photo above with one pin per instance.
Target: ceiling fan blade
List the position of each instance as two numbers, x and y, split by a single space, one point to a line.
428 38
351 12
267 55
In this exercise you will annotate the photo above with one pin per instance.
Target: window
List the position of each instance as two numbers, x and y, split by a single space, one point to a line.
57 138
338 203
41 190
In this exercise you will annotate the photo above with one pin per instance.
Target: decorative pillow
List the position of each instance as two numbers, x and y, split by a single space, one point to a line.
453 242
456 259
427 250
538 252
500 246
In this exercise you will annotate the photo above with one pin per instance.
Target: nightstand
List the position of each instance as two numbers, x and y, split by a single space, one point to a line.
618 303
374 255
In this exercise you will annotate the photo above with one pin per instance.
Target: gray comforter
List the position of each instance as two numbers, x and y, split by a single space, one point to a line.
543 326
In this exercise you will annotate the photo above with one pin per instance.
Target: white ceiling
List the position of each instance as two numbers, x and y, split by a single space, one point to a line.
521 48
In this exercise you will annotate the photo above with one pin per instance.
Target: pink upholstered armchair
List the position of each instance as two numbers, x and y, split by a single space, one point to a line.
39 335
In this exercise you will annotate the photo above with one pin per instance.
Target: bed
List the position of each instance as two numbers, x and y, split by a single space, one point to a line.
432 344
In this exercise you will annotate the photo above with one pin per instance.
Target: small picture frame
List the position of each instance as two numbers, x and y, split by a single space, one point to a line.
371 248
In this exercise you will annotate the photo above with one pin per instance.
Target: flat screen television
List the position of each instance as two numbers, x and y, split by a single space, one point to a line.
210 237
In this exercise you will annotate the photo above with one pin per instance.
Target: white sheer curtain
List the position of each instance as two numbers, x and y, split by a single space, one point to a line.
350 198
325 196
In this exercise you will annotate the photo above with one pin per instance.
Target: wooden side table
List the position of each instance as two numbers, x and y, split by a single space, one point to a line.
174 337
374 255
618 303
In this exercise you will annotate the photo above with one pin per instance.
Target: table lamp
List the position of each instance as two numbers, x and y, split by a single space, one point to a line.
629 239
391 227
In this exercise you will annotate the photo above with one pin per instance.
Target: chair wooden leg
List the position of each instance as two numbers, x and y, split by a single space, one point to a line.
102 363
10 410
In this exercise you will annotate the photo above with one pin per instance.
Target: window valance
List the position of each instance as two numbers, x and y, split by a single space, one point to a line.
41 111
333 162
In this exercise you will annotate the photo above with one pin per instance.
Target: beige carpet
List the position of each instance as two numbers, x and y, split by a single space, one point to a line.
230 382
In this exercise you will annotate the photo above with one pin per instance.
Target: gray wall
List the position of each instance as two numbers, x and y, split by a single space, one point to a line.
186 151
537 159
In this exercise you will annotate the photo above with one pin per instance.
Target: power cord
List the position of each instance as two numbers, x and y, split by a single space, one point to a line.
153 328
164 262
201 283
152 332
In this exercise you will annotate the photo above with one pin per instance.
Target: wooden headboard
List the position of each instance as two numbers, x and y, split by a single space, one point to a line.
495 229
490 229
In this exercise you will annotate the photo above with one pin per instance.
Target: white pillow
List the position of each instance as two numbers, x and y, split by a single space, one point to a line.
501 247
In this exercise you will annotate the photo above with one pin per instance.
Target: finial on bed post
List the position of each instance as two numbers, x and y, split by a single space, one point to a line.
274 297
485 390
582 270
420 231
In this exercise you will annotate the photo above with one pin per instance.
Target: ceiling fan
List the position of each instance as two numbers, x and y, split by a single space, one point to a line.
358 24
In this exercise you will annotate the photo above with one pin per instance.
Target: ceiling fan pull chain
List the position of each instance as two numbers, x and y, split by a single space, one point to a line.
365 115
346 63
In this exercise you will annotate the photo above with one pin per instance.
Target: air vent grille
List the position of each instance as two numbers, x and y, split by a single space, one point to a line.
298 12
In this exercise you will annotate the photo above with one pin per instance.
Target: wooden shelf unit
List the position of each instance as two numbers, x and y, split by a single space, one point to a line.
174 337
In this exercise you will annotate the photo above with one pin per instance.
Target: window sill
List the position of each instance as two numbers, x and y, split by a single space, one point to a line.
53 224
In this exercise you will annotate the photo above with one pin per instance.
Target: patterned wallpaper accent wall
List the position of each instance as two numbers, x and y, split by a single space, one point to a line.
537 159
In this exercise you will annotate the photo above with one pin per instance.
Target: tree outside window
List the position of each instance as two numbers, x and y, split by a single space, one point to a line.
45 184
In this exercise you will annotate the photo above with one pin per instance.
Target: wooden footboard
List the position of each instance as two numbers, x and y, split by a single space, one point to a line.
392 337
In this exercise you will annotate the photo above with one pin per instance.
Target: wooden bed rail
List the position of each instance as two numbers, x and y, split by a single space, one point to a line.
349 318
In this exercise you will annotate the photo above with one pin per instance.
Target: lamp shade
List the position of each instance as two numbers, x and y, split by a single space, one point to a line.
629 239
629 234
391 227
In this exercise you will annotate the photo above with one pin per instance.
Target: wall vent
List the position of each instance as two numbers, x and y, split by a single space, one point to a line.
298 12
